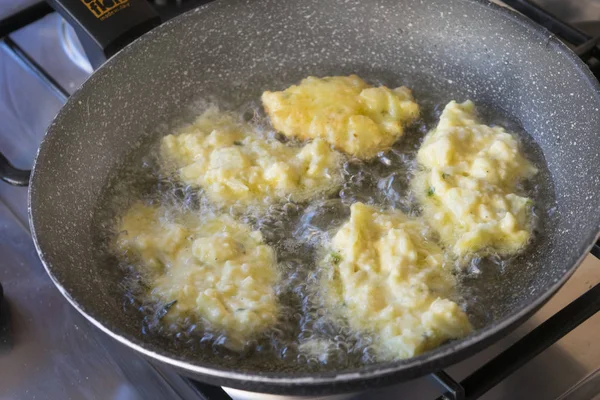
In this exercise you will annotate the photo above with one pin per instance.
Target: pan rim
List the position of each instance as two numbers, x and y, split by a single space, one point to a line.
434 360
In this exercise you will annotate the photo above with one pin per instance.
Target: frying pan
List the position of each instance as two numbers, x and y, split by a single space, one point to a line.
235 49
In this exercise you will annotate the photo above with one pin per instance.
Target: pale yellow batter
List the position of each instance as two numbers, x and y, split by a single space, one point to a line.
387 279
343 110
215 269
237 167
468 185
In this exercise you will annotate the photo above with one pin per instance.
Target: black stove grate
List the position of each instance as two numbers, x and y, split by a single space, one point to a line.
507 362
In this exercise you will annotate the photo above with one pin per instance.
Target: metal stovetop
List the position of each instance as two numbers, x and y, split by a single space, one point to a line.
48 351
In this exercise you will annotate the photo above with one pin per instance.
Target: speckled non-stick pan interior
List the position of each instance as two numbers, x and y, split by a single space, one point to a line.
232 50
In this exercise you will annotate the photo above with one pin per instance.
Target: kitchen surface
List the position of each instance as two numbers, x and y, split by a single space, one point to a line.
49 351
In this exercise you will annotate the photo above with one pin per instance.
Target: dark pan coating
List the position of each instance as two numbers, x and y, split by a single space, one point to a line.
232 50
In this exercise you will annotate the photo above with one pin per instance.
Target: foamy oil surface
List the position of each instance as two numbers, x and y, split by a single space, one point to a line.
307 337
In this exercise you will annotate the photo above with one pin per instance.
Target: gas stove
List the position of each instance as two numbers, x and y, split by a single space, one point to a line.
48 351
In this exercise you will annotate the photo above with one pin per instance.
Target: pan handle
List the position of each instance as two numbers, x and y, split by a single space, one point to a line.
11 174
106 26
